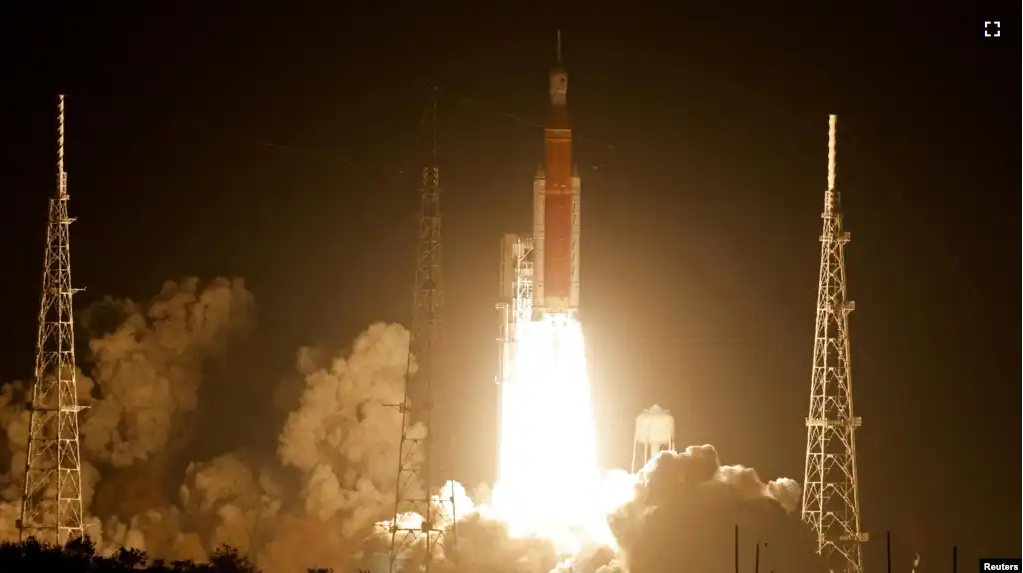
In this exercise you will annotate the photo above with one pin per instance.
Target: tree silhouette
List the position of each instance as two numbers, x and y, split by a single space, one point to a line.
228 560
131 558
79 556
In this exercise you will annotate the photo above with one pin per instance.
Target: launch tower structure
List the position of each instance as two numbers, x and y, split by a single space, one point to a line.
515 308
415 453
831 503
51 508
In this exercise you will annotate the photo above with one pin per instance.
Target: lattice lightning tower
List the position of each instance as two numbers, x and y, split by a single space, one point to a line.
831 503
413 483
51 509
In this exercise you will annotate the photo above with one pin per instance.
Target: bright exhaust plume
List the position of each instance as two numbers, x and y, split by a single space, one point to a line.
549 483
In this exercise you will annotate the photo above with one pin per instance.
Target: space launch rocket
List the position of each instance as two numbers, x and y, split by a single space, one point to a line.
556 209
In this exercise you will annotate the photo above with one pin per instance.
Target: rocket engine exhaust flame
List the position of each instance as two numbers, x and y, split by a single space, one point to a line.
549 478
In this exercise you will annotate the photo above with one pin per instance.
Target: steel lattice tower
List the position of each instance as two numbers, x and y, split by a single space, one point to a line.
414 462
831 503
51 509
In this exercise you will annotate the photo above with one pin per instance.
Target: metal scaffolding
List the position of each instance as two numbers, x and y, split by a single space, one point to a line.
414 463
515 308
51 509
831 502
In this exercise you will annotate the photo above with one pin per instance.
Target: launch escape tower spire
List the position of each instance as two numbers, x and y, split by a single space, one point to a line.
831 503
414 458
51 509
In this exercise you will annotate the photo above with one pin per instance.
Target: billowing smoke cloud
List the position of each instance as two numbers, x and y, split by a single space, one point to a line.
314 506
344 440
335 476
317 504
485 546
343 436
149 369
684 517
14 419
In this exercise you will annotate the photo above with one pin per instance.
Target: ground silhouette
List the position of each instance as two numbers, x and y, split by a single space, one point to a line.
79 556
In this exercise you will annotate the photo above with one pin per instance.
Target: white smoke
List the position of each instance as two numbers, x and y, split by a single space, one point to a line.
683 516
344 437
341 441
14 418
149 369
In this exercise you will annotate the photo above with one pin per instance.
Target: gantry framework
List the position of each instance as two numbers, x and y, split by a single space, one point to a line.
415 453
831 502
515 308
51 510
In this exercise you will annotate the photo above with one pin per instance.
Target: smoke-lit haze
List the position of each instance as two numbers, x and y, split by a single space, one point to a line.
316 504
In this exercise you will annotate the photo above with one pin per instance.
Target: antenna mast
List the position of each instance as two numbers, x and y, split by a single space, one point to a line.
831 503
415 453
51 508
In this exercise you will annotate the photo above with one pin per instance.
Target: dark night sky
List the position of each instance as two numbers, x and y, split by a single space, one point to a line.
280 147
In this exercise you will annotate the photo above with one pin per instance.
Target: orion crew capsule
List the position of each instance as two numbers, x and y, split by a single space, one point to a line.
556 209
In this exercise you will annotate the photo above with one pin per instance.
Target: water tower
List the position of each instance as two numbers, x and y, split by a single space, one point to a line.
655 432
